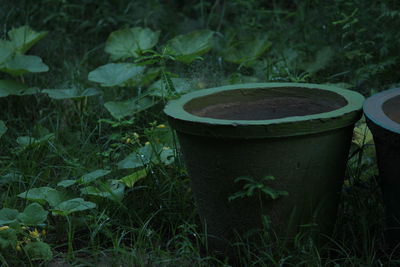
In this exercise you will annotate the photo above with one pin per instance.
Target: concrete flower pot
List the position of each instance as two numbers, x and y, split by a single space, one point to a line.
298 133
382 112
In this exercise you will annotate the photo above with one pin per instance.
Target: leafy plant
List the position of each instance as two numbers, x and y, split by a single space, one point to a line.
15 63
253 186
145 64
19 231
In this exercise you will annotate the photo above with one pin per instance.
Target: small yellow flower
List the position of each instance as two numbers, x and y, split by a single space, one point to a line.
5 227
135 135
147 143
34 234
128 140
161 126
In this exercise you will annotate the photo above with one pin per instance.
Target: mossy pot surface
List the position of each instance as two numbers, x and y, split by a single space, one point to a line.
382 112
298 133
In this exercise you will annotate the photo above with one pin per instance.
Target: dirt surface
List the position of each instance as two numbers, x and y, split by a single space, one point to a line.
392 108
266 109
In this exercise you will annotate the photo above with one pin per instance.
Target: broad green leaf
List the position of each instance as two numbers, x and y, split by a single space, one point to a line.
66 183
8 216
72 205
159 89
122 109
10 178
6 51
246 51
23 38
20 64
167 156
322 59
55 197
38 250
33 214
36 194
115 74
132 178
155 153
72 93
8 239
188 47
138 158
28 141
127 43
92 176
10 87
43 195
113 190
3 128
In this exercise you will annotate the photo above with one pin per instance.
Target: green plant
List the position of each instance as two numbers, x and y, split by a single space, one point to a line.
260 187
19 231
15 63
78 129
138 65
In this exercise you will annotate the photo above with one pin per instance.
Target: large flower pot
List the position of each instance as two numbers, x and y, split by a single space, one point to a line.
298 133
382 112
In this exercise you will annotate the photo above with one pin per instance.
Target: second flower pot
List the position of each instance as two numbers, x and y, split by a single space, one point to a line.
382 112
297 133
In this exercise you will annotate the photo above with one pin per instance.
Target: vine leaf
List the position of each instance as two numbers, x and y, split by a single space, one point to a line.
92 176
33 214
188 47
72 205
132 178
38 251
130 42
161 89
21 64
122 109
10 87
8 216
23 38
246 51
43 195
72 93
115 74
112 189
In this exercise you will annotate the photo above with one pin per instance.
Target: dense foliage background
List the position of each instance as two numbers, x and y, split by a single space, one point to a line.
70 132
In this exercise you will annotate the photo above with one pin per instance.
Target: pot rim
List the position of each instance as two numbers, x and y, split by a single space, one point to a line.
184 121
373 109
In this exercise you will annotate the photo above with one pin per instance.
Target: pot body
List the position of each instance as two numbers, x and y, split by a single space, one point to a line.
310 168
306 154
382 112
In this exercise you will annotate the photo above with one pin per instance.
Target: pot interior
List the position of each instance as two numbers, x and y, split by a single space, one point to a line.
391 108
265 103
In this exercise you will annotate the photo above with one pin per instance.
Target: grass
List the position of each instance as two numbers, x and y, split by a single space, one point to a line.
156 222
